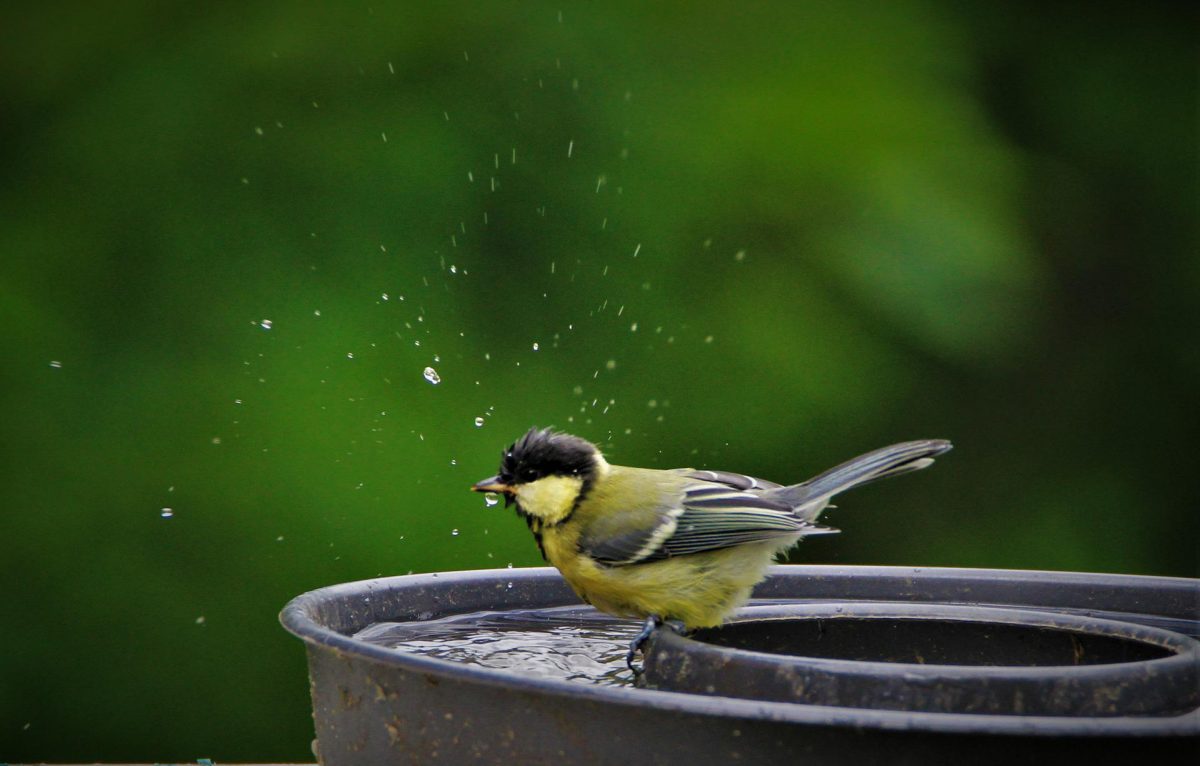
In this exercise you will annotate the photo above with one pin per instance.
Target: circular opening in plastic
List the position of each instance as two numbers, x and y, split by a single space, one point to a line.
931 642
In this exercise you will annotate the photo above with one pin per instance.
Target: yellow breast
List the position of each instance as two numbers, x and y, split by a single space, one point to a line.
700 589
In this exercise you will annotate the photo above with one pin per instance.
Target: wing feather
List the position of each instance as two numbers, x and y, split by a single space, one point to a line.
709 517
738 481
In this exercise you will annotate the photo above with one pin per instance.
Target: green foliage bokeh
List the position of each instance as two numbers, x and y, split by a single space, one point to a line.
757 238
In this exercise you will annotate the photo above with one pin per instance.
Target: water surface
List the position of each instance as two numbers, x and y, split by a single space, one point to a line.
572 643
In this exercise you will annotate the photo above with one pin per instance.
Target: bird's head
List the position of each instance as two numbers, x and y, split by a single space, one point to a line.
546 472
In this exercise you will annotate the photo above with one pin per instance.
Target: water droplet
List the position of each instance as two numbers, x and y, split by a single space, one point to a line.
479 422
384 296
708 339
317 312
633 327
56 364
740 255
611 364
350 355
535 346
432 376
453 461
167 513
266 324
491 499
200 620
454 533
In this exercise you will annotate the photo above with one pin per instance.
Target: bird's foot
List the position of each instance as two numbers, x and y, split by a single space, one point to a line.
652 623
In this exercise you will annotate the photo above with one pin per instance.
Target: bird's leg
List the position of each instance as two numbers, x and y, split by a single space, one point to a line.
635 646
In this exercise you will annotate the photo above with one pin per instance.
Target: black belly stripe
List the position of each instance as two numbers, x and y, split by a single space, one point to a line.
535 526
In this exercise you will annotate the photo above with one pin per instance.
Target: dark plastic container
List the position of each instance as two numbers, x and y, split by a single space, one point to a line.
373 705
935 658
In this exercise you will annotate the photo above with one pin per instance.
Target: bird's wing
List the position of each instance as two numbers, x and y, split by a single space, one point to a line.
733 480
708 516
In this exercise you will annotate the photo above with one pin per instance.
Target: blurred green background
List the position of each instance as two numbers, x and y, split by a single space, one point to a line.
758 237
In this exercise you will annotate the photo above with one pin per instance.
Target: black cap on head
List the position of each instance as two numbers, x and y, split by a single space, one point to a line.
544 452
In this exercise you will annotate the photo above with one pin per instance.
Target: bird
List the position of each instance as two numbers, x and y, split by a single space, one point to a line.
681 546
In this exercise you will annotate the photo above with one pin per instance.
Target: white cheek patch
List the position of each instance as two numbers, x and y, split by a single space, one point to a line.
550 498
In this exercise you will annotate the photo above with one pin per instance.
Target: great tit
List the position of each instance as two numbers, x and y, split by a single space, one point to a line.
682 545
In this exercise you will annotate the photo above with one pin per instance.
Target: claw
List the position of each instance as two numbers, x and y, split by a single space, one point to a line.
652 623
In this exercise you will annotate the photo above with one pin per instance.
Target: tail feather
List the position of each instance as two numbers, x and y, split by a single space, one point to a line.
811 497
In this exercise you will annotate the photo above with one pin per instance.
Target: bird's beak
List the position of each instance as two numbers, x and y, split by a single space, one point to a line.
492 484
